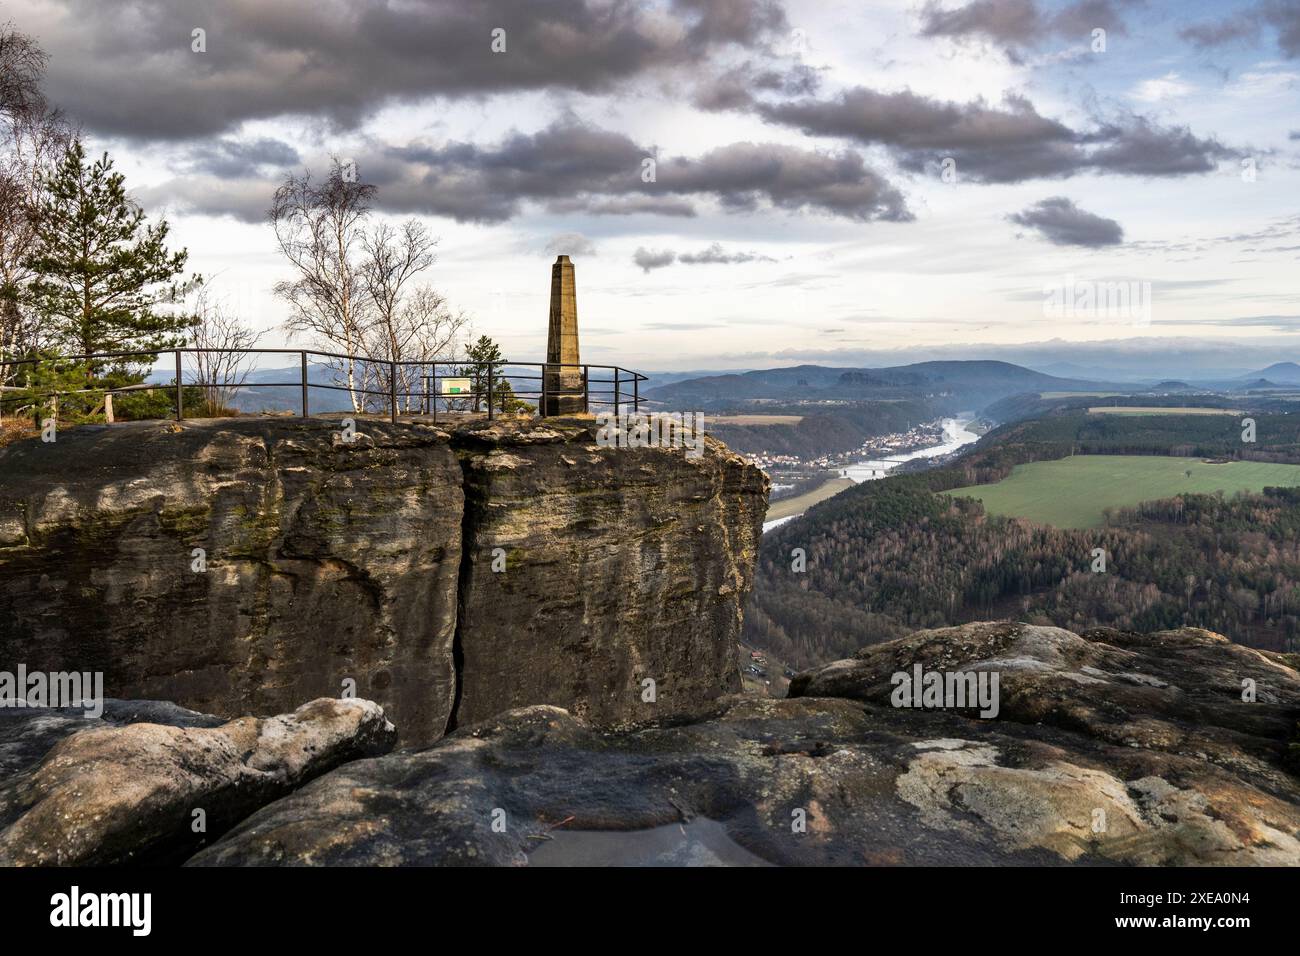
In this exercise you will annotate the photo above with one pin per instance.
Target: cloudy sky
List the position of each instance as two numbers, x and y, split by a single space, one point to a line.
741 183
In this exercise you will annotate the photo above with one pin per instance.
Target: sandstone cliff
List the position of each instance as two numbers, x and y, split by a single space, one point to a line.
620 567
372 562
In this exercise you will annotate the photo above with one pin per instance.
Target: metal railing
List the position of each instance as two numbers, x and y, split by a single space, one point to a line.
407 387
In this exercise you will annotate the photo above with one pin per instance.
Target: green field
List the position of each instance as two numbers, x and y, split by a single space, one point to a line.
1072 492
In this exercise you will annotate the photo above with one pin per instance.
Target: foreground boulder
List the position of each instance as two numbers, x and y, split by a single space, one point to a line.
245 565
1174 747
1108 748
27 734
133 793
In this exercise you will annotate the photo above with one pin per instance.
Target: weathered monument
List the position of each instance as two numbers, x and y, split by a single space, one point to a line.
563 375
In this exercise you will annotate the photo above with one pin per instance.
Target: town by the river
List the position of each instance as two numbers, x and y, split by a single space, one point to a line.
956 435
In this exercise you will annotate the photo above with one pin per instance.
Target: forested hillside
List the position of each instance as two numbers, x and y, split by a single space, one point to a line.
833 431
963 384
886 557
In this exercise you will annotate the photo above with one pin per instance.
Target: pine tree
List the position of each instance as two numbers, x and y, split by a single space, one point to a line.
503 396
102 273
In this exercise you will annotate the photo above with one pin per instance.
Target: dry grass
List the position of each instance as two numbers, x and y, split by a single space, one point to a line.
16 429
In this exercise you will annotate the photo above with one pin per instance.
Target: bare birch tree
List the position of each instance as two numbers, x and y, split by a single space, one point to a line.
320 230
221 365
32 139
356 290
412 325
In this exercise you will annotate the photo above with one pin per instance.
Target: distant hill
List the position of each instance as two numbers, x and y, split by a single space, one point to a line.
258 396
1279 373
955 384
824 432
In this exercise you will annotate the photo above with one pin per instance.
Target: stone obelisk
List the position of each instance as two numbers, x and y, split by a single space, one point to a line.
563 371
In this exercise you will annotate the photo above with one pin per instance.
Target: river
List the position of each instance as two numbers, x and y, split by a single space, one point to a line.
955 435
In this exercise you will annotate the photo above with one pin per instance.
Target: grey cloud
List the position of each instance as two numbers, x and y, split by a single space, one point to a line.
742 174
1284 16
1245 25
732 21
1005 21
1016 24
234 159
911 121
1221 32
244 199
998 144
127 68
572 167
490 183
1063 223
630 206
570 244
716 255
734 89
1081 18
1137 146
649 259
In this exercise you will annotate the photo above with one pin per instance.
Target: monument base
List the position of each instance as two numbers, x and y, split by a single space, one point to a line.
564 403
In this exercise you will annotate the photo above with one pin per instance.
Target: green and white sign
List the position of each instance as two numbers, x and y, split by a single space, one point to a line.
454 386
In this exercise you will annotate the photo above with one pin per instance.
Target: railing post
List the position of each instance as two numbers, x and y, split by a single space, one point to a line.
541 405
586 390
616 391
304 383
636 392
180 395
433 399
489 391
392 392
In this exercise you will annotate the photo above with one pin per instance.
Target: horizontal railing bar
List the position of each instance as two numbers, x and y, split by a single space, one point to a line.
368 369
